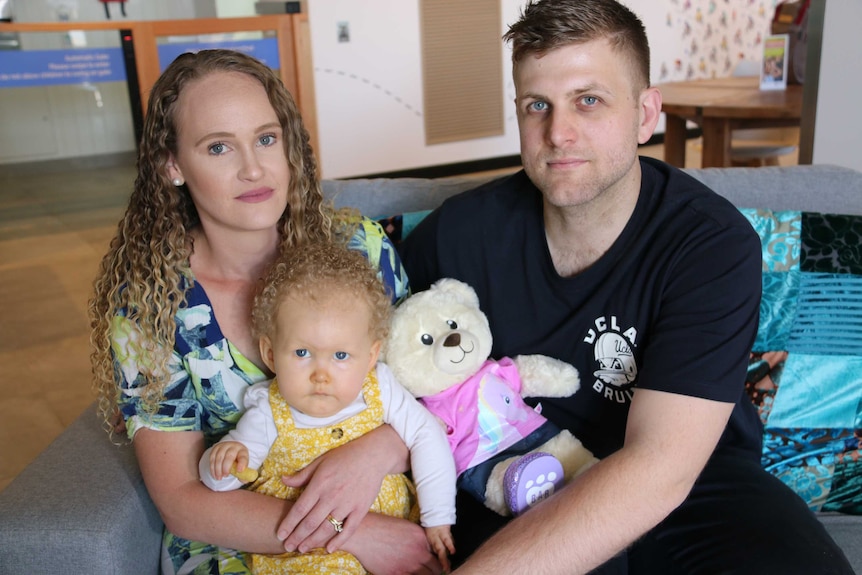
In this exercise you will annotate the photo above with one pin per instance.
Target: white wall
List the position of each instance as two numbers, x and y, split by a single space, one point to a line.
369 91
838 128
234 8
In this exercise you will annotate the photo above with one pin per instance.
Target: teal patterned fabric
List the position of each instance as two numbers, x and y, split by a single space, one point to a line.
399 226
805 375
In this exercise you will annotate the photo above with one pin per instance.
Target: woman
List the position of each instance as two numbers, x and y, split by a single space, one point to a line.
227 181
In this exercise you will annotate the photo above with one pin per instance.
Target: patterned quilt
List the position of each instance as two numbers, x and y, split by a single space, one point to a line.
805 375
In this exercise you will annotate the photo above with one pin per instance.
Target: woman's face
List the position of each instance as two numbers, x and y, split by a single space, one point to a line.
230 153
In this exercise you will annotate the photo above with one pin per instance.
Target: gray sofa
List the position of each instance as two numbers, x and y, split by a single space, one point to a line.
81 506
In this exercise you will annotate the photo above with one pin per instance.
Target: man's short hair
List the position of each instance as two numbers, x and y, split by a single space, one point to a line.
548 24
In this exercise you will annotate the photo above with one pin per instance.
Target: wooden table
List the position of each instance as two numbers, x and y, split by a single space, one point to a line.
718 106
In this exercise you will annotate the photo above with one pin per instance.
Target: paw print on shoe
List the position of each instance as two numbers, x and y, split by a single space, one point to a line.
542 488
531 479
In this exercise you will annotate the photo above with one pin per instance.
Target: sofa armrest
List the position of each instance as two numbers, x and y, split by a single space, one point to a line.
80 507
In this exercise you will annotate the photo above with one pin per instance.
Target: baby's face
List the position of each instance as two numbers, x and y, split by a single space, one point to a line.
321 353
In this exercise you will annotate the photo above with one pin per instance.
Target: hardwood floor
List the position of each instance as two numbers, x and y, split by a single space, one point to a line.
55 223
56 220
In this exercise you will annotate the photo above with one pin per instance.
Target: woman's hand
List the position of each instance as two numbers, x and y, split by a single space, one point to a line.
342 484
118 423
389 546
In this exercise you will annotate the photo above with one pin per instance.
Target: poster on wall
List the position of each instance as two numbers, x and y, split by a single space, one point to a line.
773 70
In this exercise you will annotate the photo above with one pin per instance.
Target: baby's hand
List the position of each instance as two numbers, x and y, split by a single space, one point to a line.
440 538
228 457
247 475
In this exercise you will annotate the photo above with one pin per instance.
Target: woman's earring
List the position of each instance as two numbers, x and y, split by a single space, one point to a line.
177 182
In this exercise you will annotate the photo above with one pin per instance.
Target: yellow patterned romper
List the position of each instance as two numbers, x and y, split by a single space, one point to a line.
295 448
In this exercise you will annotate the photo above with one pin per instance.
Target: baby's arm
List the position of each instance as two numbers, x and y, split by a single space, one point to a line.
431 461
233 461
440 538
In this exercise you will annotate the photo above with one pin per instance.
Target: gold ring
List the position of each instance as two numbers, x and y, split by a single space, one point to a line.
338 525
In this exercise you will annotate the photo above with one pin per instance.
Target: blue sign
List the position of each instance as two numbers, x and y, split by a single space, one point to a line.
28 68
265 50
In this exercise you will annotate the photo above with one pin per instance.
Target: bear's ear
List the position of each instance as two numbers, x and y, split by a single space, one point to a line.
457 290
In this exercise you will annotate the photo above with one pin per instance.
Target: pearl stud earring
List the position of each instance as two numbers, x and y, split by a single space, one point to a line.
177 182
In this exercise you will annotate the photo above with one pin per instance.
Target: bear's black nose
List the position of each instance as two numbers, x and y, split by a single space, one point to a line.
452 340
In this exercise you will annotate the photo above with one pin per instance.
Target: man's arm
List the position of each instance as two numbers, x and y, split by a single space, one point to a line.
669 439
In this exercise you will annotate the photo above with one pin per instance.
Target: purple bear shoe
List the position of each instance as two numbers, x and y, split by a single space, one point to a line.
530 479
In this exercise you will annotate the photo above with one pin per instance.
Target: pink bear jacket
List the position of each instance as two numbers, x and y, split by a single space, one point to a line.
485 414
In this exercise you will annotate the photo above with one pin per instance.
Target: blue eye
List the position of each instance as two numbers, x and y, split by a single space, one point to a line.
302 353
217 149
341 355
538 106
267 140
590 100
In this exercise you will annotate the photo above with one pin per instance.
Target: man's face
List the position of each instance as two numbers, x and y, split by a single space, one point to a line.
581 119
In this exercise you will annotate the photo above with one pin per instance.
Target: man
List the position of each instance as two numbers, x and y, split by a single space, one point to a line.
648 283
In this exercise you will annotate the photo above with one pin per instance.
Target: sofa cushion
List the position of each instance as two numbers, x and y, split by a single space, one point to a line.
805 375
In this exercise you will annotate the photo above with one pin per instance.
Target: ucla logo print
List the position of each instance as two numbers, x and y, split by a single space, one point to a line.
616 369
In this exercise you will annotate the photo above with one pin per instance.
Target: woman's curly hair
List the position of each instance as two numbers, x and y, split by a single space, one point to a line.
313 274
146 273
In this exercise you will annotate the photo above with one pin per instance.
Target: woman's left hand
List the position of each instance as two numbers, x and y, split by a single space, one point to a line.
342 484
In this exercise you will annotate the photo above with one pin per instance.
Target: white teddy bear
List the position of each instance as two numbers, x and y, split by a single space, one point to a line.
507 455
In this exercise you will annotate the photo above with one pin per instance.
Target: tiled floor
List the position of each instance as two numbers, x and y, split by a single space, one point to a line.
55 223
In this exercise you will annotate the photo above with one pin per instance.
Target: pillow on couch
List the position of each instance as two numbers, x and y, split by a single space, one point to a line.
805 375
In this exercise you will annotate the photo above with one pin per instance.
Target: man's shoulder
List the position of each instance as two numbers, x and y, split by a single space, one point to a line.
673 180
680 191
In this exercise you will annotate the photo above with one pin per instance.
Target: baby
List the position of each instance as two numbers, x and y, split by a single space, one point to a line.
321 319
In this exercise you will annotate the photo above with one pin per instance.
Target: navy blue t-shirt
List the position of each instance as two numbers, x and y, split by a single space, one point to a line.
672 306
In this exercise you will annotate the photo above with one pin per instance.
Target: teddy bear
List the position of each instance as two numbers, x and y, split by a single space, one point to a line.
507 454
